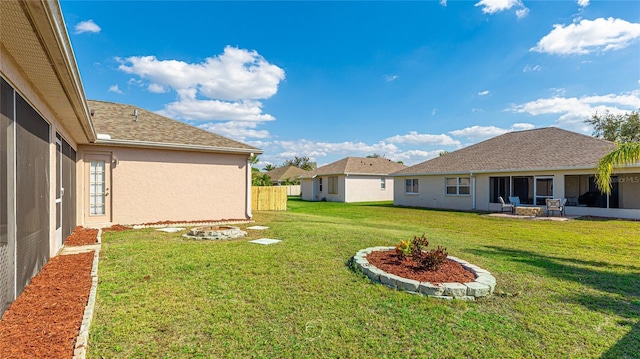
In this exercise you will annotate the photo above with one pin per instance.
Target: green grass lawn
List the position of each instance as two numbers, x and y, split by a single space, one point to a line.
161 295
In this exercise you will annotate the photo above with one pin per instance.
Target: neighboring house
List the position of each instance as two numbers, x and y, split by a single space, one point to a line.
60 168
533 165
351 179
285 174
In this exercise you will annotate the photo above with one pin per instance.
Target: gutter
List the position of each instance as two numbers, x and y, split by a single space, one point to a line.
504 171
176 146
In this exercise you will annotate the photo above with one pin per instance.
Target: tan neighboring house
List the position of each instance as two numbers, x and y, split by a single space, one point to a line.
281 175
61 167
533 165
351 179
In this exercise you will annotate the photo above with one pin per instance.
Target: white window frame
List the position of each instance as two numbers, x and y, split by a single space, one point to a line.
320 184
383 183
412 186
458 185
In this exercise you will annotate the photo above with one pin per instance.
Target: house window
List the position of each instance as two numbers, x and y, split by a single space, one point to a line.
411 186
320 183
581 191
458 185
333 185
383 184
499 187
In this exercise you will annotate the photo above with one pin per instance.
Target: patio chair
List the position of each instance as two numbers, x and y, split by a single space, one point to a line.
503 205
555 205
514 200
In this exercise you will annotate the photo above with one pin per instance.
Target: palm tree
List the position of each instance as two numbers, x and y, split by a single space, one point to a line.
268 167
624 154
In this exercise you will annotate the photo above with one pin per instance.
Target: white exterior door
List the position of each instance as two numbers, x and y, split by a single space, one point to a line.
97 188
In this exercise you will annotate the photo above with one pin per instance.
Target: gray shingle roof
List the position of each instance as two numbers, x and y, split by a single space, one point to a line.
282 173
117 121
357 165
538 149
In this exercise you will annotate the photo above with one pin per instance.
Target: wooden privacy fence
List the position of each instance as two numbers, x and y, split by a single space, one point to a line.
269 198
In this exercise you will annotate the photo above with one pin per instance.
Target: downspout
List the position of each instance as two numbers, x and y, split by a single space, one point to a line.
473 191
248 204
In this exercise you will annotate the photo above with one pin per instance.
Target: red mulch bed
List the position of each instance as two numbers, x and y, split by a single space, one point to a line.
116 228
82 236
449 272
45 319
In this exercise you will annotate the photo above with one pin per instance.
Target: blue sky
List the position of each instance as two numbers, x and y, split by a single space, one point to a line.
333 79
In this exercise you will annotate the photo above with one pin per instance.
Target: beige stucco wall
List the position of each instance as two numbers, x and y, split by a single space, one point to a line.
432 193
360 188
12 73
151 185
306 186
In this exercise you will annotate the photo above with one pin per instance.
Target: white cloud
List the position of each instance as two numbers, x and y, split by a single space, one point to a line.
443 3
435 110
583 3
530 68
116 89
495 6
239 131
522 13
390 78
588 36
573 111
416 138
223 87
482 132
87 26
190 108
483 93
155 88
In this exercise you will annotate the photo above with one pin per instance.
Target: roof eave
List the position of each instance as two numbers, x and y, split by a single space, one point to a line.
63 59
177 146
578 168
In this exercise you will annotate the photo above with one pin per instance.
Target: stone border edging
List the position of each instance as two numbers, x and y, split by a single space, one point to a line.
80 349
481 287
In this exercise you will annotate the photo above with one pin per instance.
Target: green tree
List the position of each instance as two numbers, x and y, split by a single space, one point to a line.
269 167
623 127
442 153
624 154
376 155
260 179
301 162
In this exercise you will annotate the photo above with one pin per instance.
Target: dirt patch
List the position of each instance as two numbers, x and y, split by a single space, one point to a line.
449 272
82 236
45 319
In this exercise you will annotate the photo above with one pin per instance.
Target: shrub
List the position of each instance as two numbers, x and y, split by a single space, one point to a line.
416 249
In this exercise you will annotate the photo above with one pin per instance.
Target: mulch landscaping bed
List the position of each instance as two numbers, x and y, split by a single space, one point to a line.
449 272
82 236
45 319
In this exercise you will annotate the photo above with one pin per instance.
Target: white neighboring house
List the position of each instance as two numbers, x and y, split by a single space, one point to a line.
532 165
351 179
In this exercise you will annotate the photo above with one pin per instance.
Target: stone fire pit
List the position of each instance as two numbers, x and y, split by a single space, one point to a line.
215 232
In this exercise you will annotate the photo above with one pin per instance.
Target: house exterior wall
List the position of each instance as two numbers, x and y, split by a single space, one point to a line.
362 188
307 189
431 193
42 231
152 185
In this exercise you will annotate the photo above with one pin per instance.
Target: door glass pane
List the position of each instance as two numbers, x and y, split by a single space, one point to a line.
97 188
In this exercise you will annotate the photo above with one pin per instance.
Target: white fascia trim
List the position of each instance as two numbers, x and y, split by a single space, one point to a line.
177 146
590 169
